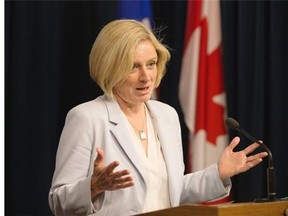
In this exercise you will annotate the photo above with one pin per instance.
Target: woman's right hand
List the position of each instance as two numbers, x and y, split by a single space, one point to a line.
105 178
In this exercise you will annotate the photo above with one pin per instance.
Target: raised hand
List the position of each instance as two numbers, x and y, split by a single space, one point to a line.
232 163
104 177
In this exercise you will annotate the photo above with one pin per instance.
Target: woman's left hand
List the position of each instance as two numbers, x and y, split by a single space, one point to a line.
232 163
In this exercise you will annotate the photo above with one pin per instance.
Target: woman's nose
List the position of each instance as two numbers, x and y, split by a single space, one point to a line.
144 74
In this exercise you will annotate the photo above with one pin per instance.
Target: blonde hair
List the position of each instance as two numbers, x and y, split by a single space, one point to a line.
111 57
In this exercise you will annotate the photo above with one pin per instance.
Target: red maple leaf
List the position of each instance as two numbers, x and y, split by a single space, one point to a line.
209 115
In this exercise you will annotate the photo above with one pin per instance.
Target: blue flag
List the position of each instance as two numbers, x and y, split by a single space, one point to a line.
137 9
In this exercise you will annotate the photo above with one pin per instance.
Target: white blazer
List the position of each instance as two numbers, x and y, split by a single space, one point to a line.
100 123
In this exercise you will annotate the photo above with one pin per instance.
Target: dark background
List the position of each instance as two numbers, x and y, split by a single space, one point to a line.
46 73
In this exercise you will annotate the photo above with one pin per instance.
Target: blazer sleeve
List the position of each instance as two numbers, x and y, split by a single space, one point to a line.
70 191
204 185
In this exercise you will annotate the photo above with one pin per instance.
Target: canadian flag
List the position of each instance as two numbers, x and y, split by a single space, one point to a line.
201 89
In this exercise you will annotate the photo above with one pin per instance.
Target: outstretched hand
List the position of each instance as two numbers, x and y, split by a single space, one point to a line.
105 178
232 163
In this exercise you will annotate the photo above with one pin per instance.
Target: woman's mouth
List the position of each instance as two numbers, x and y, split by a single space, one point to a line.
143 90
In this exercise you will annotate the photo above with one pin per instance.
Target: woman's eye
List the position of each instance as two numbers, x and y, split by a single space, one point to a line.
135 68
151 65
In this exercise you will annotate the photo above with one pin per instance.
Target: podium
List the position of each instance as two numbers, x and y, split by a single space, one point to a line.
277 208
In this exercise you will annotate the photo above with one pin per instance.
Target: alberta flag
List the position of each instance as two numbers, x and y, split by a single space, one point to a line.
201 88
136 9
139 10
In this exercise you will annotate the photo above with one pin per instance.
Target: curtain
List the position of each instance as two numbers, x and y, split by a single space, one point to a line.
255 36
47 45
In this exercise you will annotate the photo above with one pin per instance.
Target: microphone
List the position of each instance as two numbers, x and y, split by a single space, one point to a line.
271 186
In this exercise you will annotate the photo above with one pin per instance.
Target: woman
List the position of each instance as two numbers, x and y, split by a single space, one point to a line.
121 154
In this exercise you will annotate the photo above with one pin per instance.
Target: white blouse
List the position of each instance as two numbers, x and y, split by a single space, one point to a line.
157 196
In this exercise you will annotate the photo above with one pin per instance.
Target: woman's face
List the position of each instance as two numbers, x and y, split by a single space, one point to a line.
139 85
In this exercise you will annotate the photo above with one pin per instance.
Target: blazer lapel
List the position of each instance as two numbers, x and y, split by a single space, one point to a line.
122 135
166 134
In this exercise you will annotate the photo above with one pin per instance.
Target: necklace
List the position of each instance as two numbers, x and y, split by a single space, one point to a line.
141 132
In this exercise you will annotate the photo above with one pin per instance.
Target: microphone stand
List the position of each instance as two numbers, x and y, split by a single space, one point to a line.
271 186
271 183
